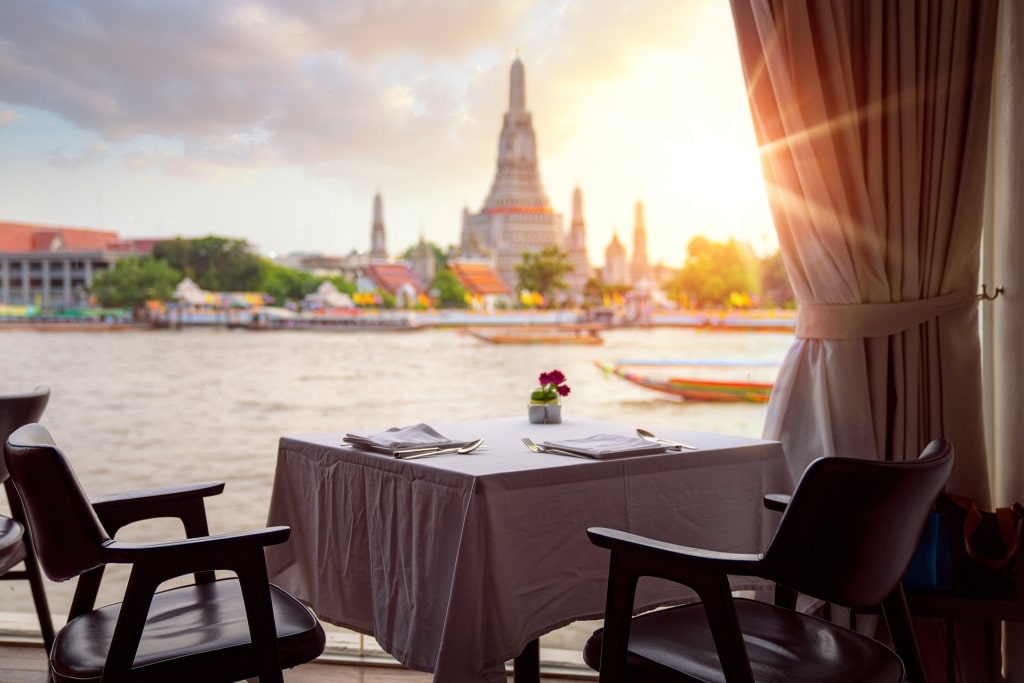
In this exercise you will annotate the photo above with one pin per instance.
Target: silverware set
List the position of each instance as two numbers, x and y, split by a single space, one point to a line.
537 448
647 436
427 451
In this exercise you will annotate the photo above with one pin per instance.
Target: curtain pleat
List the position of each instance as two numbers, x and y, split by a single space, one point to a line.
869 116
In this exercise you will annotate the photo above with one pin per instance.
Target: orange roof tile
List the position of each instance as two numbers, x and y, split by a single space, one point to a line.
478 278
391 276
28 237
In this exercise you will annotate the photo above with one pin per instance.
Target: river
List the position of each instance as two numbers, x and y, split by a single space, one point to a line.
134 409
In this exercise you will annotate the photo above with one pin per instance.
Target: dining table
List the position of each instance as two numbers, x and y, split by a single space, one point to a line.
459 562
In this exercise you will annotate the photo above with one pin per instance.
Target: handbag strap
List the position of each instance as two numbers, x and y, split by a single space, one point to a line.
1007 522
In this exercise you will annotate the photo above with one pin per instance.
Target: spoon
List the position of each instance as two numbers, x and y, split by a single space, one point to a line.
647 436
459 450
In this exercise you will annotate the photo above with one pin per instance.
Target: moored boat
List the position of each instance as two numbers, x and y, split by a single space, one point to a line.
539 334
697 386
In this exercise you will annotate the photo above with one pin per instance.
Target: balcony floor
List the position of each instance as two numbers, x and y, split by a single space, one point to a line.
27 664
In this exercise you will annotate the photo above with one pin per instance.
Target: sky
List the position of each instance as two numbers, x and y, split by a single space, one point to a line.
278 121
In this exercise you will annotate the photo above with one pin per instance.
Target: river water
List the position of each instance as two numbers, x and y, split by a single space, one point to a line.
134 409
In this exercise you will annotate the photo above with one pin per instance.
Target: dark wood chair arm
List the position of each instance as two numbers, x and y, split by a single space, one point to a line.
181 502
177 557
669 560
777 501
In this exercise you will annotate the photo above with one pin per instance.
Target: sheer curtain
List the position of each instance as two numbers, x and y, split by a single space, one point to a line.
873 121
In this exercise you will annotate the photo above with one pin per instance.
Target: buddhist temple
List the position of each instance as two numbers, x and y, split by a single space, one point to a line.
423 262
378 238
517 215
640 268
577 249
615 262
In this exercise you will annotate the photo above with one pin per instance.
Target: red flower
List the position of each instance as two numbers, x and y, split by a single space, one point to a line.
553 377
563 389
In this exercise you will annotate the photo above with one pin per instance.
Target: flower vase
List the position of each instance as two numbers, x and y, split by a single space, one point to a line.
545 413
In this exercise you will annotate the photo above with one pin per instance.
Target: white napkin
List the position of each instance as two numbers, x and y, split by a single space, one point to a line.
608 446
399 438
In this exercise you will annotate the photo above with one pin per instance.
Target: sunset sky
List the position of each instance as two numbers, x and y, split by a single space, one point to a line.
278 121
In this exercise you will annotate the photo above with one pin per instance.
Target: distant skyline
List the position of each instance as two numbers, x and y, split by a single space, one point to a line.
278 122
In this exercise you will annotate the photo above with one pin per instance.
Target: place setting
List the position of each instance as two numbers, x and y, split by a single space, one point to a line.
414 441
609 446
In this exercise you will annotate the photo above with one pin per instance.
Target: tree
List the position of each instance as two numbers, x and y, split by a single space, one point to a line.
343 285
215 263
450 292
133 281
542 272
285 284
775 285
715 271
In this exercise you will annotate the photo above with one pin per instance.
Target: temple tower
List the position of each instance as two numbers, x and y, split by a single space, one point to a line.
517 215
424 265
615 262
640 269
378 238
577 249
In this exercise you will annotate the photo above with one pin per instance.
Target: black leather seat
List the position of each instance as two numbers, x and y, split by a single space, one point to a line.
15 545
846 537
227 630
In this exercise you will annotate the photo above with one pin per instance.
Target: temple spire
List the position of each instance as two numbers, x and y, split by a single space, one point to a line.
378 236
517 88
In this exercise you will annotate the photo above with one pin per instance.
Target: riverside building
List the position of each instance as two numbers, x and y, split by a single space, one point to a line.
53 267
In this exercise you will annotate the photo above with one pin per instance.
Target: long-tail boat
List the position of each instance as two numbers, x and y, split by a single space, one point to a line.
539 334
694 386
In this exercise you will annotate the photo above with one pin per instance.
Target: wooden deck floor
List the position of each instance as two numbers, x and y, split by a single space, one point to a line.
27 664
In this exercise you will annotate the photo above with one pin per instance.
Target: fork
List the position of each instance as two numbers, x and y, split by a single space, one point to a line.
537 448
411 454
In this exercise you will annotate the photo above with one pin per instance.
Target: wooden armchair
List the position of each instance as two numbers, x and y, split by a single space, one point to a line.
846 537
227 629
15 543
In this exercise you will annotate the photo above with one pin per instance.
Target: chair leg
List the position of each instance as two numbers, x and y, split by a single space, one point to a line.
35 581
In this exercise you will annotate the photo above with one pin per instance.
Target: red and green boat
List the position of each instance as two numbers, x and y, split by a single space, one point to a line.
694 385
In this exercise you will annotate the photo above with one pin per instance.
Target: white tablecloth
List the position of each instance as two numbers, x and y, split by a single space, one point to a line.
455 563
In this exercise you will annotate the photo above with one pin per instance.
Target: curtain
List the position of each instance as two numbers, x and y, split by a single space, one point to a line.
872 119
1006 249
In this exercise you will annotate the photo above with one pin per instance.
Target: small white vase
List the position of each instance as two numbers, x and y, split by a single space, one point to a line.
545 413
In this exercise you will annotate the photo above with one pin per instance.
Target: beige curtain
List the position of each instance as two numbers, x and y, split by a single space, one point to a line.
873 121
1005 245
873 118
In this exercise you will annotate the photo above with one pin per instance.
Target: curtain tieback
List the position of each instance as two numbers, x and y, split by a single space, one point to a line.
859 321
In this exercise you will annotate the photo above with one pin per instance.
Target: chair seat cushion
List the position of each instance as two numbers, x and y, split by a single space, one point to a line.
12 546
675 645
196 632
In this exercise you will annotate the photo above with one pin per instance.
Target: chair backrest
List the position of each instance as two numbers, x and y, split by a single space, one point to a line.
852 525
66 532
17 410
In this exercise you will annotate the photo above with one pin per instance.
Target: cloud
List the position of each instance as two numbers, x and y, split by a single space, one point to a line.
401 96
321 80
7 117
86 156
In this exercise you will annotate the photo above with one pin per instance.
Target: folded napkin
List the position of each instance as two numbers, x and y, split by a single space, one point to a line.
608 446
402 438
